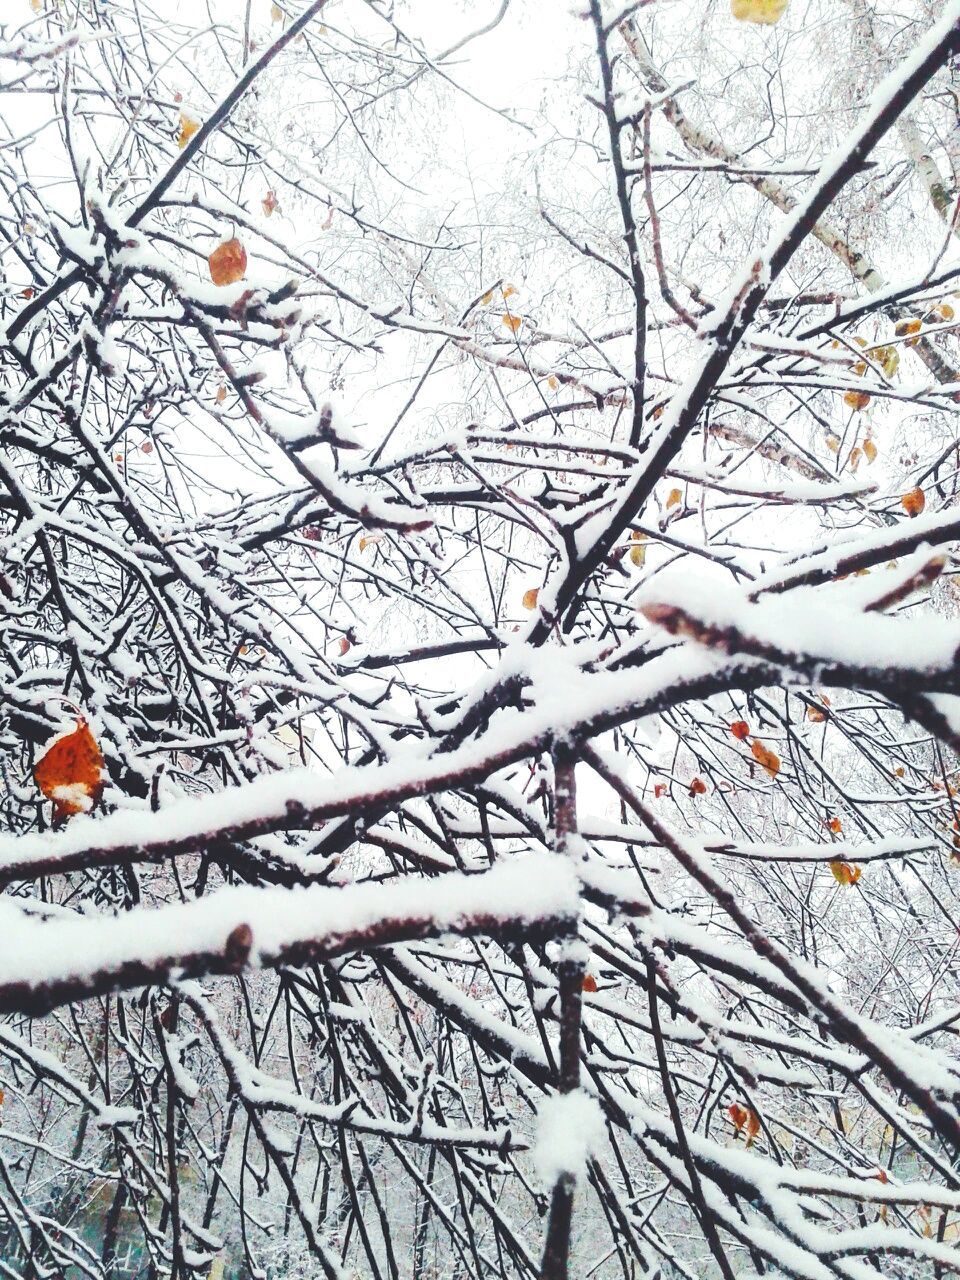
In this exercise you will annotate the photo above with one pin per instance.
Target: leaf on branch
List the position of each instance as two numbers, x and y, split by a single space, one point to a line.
844 873
638 554
768 760
70 772
869 450
530 597
745 1120
513 322
276 13
673 497
913 502
764 12
270 204
228 262
740 730
856 400
589 983
698 787
835 825
187 128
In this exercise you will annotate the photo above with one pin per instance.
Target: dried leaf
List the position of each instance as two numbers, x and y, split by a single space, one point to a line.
768 760
740 730
913 502
508 291
745 1120
835 825
844 873
659 790
530 597
698 787
673 497
344 646
270 203
907 326
945 311
553 382
512 322
856 400
188 127
276 13
589 983
221 394
27 293
869 450
816 714
228 262
487 298
70 772
833 444
638 554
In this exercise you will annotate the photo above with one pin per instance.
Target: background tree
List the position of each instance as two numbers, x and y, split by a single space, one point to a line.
478 640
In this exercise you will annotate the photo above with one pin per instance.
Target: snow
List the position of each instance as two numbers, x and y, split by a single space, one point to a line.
570 1129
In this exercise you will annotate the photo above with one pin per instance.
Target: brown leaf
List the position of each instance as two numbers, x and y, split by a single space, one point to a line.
228 262
768 760
913 502
589 983
869 450
70 772
698 787
740 730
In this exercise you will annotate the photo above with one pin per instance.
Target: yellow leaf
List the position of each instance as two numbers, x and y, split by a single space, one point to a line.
766 12
487 298
552 382
843 873
854 461
833 444
913 502
508 291
36 6
276 13
638 554
513 323
530 597
70 772
768 760
673 497
869 450
228 262
188 127
907 326
945 311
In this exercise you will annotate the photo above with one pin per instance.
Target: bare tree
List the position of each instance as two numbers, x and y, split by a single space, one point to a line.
479 658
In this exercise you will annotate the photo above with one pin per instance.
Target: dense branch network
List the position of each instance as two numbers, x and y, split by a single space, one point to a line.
520 631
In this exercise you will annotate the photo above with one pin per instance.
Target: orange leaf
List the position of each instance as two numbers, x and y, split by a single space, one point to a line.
70 772
673 497
221 394
513 323
188 127
816 715
344 646
228 262
659 789
530 597
768 760
844 873
856 400
740 730
869 450
913 502
907 326
835 825
589 983
697 787
27 293
553 382
744 1119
